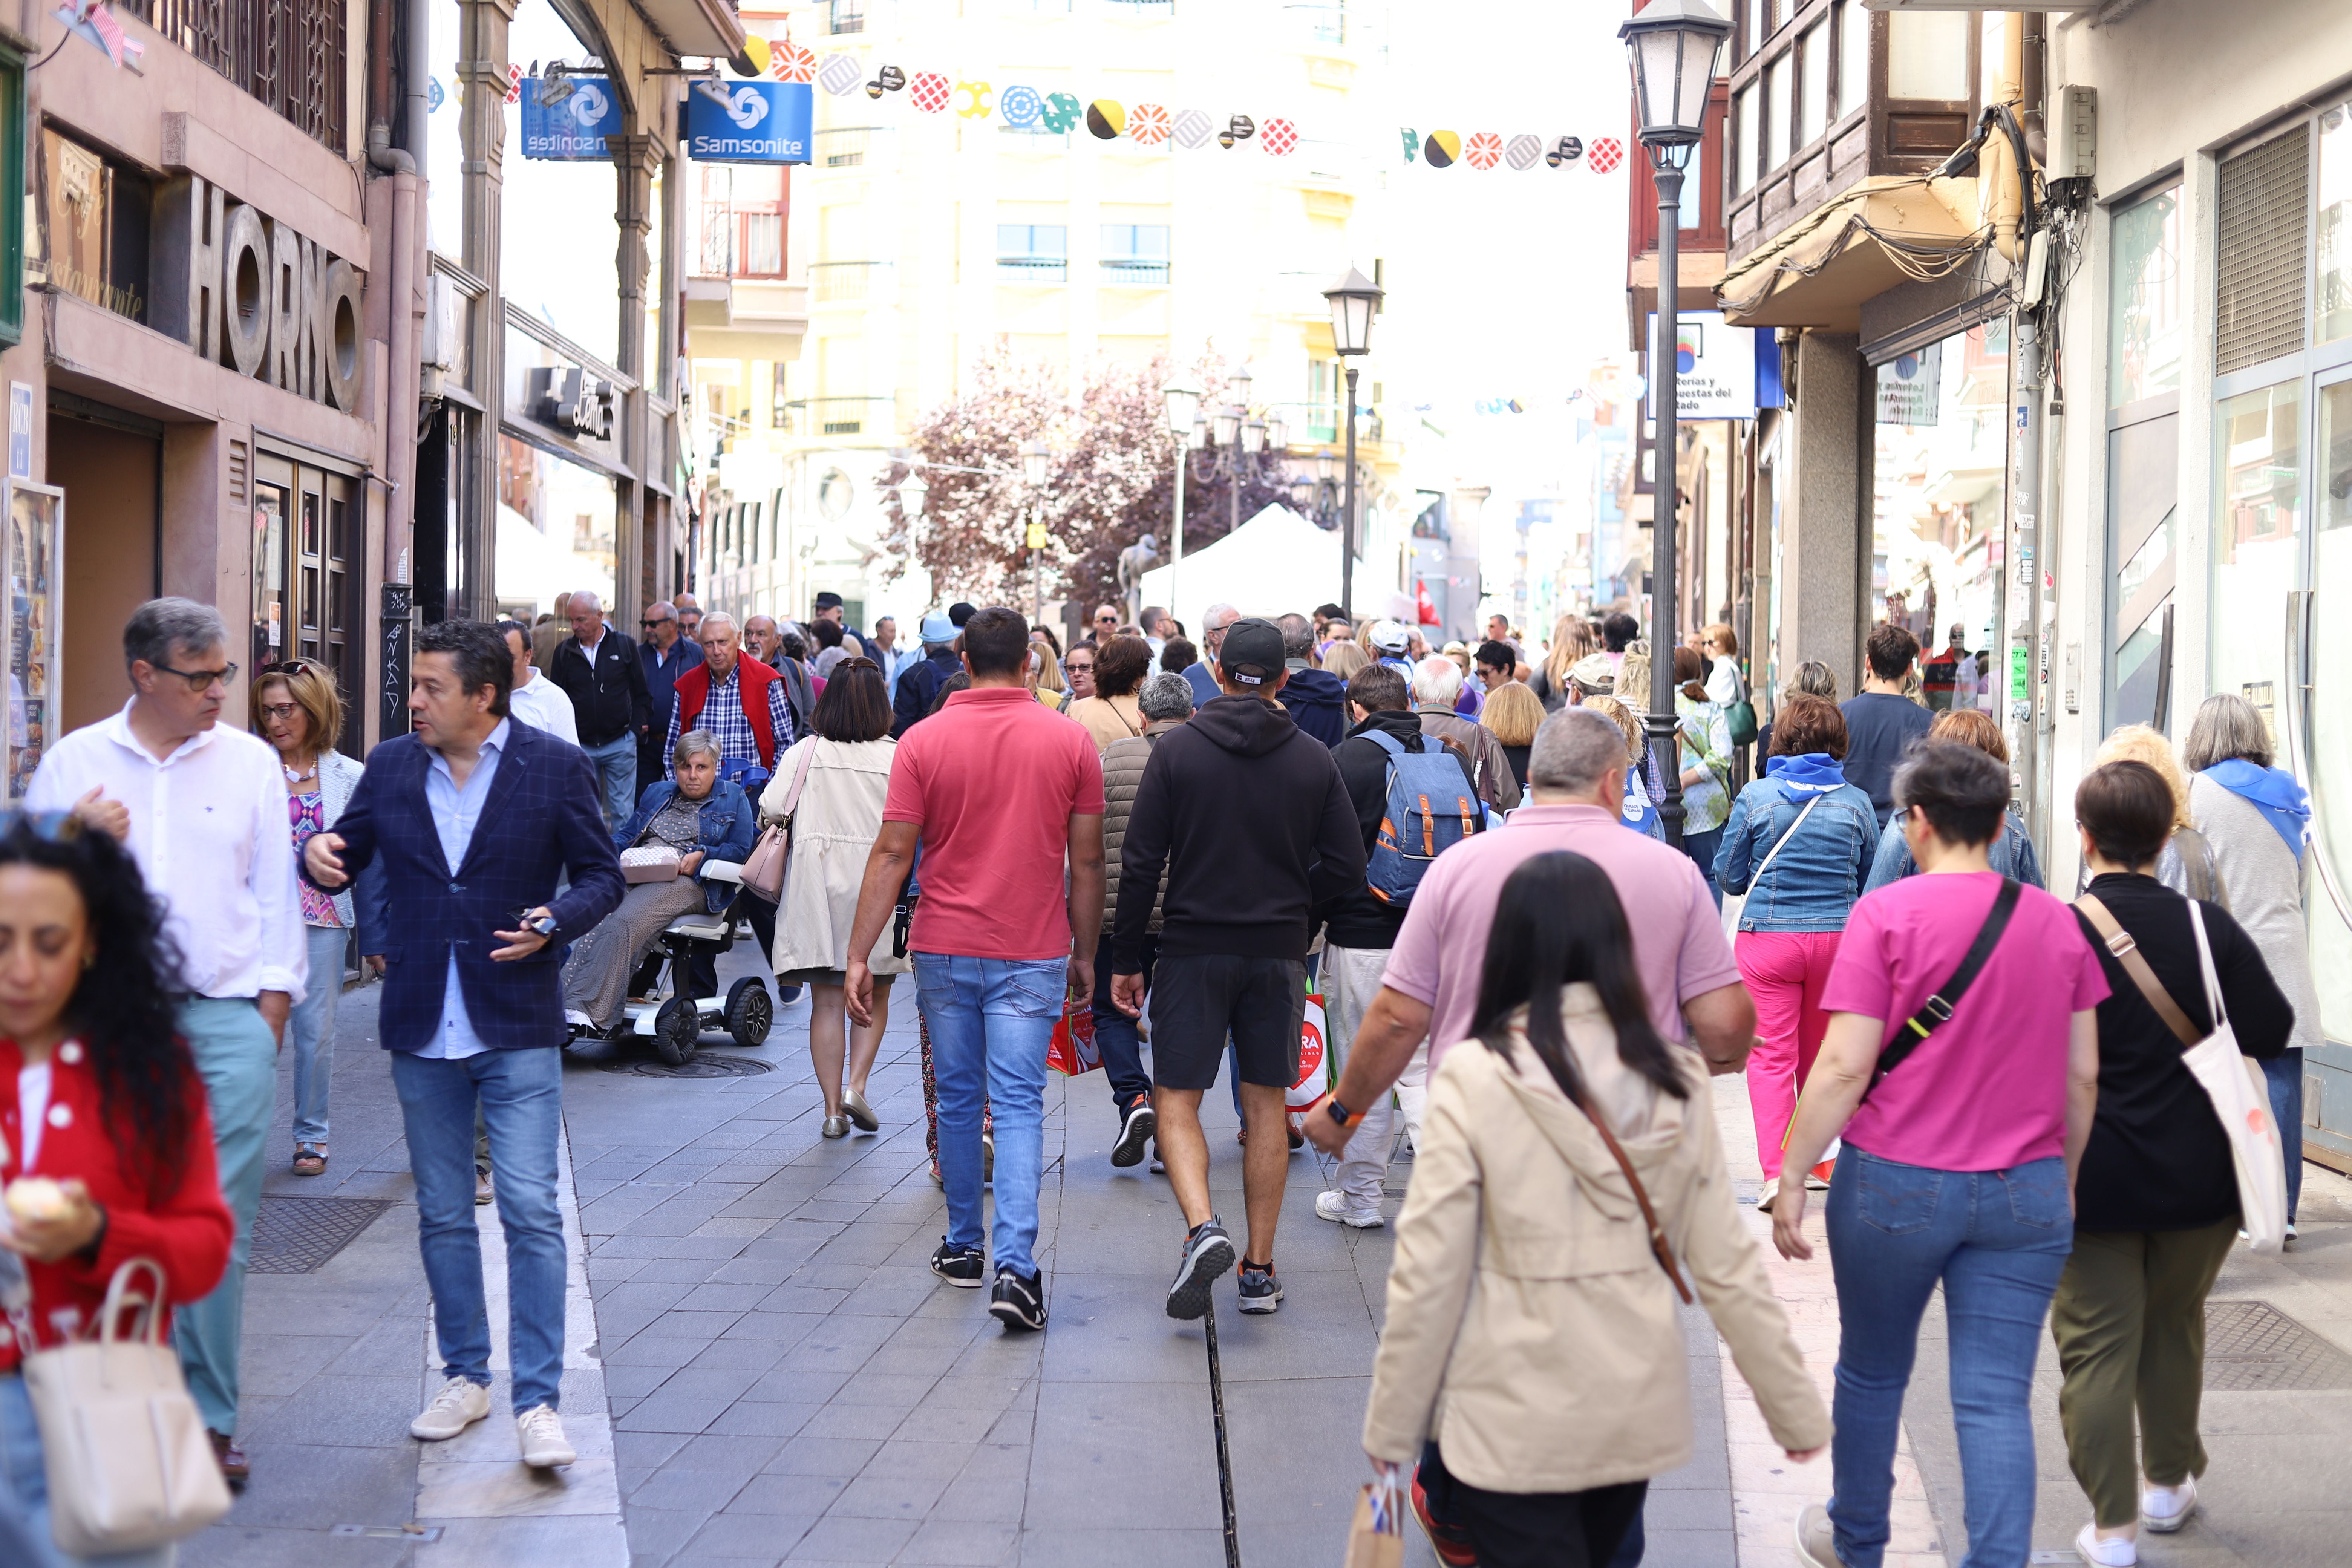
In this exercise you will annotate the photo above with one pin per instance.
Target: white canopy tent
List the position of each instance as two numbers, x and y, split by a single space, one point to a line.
1275 563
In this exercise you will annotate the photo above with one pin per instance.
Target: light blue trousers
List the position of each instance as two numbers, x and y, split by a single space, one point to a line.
236 1056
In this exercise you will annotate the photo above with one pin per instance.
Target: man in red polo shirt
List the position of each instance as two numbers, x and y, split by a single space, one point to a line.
1001 793
736 699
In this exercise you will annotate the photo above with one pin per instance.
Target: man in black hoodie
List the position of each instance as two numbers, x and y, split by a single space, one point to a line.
1316 699
1247 813
1360 928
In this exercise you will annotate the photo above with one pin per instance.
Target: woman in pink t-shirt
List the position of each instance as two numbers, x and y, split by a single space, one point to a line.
1964 1103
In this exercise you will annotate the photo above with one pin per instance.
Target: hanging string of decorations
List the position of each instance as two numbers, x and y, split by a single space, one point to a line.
1484 149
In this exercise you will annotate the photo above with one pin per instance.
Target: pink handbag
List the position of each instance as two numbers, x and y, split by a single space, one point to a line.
764 872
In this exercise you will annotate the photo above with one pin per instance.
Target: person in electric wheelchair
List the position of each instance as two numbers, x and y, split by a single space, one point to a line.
705 819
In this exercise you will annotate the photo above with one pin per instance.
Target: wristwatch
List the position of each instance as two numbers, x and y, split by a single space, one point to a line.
1340 1113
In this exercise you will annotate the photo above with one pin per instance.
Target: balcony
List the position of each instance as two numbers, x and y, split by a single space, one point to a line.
290 54
1136 272
1035 271
1142 10
848 282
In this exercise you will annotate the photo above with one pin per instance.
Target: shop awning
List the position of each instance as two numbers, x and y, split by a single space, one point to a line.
1885 230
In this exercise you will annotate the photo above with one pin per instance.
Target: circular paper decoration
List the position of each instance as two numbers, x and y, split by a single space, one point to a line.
1568 150
839 75
1281 138
1440 148
1019 107
755 49
1523 152
1606 155
1107 119
929 90
789 61
1190 127
1062 111
1484 149
1148 126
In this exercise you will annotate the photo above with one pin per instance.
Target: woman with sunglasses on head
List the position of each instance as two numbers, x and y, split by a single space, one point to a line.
106 1141
297 710
1568 1182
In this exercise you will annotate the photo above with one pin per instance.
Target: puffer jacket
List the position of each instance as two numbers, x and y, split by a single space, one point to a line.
1529 1329
1123 762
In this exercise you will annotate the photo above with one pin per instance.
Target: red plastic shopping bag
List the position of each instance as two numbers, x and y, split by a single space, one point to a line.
1314 1071
1073 1050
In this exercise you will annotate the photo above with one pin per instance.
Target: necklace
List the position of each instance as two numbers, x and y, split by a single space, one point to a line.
293 777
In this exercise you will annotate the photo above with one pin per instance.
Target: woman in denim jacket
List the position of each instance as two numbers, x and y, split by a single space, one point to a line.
1797 904
2013 848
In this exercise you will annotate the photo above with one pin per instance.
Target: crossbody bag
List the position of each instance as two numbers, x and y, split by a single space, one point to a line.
1936 1011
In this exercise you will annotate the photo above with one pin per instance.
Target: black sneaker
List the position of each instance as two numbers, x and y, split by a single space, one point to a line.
963 1266
1134 1134
1208 1253
1261 1291
1016 1302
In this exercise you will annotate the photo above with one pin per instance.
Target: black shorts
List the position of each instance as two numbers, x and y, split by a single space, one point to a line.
1197 999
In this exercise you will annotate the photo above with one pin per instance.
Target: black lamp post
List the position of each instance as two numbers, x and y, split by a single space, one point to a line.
1672 45
1353 299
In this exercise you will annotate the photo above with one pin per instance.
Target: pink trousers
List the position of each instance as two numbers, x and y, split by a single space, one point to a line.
1786 972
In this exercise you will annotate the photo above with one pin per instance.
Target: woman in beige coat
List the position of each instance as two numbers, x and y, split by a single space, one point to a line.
833 826
1532 1341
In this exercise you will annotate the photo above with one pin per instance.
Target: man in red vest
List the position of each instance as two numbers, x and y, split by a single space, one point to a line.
738 700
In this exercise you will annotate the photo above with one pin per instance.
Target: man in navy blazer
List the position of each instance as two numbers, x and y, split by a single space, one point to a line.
471 822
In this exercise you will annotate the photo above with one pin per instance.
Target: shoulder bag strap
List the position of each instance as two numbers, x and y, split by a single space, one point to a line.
1660 1246
1757 875
2126 953
800 780
2205 962
1936 1010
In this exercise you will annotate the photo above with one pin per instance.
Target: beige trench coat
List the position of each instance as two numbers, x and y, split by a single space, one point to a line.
840 815
1529 1328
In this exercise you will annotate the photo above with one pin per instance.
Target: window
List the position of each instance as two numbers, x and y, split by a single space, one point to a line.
1744 149
12 196
287 53
1760 24
1853 57
1927 55
2257 536
1776 112
845 147
1323 384
742 227
1033 252
98 232
2335 234
1135 253
2144 324
846 16
779 407
1812 84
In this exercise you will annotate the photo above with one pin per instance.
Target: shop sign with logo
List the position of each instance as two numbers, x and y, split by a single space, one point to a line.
750 121
1909 386
568 118
1721 372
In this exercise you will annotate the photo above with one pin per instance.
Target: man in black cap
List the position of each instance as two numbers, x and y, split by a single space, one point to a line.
1232 945
829 608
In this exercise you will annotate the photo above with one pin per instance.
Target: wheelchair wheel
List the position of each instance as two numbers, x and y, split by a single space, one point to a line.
677 1030
749 1011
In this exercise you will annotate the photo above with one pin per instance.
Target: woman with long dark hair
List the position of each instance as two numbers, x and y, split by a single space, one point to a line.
1533 1357
105 1142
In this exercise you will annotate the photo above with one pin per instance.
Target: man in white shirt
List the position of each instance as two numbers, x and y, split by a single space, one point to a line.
203 809
535 700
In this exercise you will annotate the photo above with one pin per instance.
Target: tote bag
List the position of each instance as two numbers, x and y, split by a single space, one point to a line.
2242 1099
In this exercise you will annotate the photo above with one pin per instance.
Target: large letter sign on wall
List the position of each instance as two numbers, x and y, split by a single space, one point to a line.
750 121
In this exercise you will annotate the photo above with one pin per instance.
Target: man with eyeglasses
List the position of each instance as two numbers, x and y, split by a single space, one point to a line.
600 671
203 808
689 616
666 653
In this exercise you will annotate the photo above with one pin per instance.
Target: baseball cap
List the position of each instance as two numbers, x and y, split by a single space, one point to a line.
828 601
1252 652
1389 636
937 627
1594 673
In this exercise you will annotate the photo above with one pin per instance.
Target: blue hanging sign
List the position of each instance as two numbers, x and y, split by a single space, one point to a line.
750 121
573 127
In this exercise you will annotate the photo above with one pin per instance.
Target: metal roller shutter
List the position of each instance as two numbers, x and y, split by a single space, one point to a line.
2265 202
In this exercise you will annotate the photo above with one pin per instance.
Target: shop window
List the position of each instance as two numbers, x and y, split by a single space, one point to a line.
1938 453
2145 325
303 586
2335 226
556 522
97 226
2257 536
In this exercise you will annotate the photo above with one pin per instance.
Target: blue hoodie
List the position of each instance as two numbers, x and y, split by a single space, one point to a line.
1317 702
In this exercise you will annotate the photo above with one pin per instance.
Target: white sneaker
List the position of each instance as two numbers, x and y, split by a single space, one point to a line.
2115 1551
460 1402
541 1432
2166 1508
1335 1206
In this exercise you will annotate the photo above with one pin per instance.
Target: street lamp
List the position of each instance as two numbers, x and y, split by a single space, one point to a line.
1252 436
1278 433
1032 474
1184 400
912 493
1352 301
1671 45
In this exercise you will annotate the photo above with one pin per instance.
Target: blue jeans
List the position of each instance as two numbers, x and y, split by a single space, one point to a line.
1701 848
990 1020
1998 1240
237 1058
2284 1074
617 772
311 1031
521 1094
24 1538
1116 1034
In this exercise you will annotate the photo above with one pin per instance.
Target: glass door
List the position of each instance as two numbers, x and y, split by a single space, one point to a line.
2324 637
303 537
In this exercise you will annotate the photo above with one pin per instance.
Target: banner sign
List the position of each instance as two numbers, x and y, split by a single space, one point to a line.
1909 386
572 125
750 121
1716 370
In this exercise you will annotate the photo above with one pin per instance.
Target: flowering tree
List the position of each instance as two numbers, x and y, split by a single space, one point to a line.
1108 482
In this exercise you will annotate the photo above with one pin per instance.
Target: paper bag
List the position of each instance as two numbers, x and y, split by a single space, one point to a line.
1073 1050
1376 1535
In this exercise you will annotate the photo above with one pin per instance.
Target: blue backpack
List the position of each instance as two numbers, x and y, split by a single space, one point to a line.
1430 809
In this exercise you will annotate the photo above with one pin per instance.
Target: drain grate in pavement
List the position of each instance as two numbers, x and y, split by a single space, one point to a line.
296 1236
702 1064
2251 1346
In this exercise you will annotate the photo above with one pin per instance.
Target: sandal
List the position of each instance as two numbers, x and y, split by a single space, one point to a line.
310 1159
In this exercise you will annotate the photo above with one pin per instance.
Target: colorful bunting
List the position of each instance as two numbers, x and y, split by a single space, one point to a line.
1606 153
1523 152
1440 148
1281 138
791 62
975 96
927 90
1107 119
1148 126
1483 150
839 75
1190 128
1021 107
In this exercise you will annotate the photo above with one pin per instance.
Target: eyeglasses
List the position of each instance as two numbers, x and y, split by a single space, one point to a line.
199 680
1075 668
280 709
648 626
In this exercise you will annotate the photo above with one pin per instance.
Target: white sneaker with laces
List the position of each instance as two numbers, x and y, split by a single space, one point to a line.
2115 1552
2166 1508
541 1432
1335 1208
458 1405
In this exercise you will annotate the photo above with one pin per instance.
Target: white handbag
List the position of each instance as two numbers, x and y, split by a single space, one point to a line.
130 1465
2242 1098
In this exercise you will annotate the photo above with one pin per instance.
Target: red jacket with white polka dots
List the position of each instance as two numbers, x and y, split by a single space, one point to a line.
188 1233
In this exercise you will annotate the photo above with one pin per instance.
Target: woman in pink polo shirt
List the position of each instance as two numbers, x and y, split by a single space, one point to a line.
1961 1067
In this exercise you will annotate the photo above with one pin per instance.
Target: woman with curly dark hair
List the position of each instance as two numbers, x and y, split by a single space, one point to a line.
105 1142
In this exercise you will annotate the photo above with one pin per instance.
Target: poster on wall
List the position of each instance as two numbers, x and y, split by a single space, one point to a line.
567 118
1717 368
30 622
750 121
1909 386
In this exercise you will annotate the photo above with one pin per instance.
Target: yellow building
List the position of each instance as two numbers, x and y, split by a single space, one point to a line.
826 322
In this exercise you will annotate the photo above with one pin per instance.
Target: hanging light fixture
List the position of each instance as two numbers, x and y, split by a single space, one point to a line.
1252 436
1033 464
1278 433
1672 45
912 493
1229 425
1183 399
